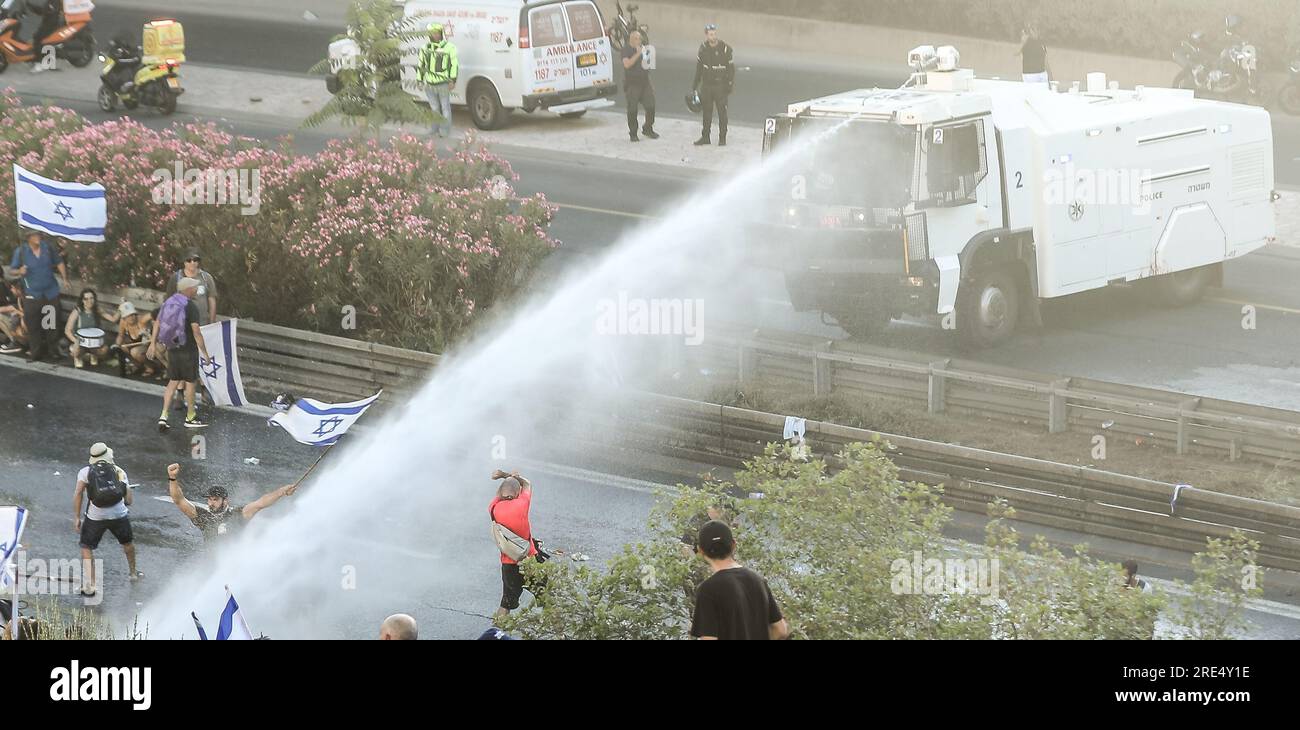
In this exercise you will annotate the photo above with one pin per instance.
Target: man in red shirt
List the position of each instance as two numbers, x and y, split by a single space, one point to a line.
510 510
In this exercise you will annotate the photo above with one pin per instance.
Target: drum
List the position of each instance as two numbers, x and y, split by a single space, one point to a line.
90 338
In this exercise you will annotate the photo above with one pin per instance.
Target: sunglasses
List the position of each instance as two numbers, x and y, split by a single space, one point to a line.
710 26
192 261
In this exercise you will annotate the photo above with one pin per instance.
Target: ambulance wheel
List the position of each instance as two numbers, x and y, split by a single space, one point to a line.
861 324
107 99
572 115
988 307
1184 287
485 106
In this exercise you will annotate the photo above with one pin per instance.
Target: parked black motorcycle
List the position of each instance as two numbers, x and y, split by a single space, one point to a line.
624 24
1288 97
1230 74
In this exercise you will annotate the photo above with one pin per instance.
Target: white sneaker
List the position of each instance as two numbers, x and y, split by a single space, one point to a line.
77 362
94 361
37 69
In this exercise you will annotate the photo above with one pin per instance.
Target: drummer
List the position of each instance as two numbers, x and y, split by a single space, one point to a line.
133 331
86 325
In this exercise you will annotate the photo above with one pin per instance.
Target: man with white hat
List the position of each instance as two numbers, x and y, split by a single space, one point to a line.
177 329
106 486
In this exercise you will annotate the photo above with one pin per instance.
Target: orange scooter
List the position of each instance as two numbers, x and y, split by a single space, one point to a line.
71 40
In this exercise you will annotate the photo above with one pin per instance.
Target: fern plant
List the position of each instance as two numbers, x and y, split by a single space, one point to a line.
373 93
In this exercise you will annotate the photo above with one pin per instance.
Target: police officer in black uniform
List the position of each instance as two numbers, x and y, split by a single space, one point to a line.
715 77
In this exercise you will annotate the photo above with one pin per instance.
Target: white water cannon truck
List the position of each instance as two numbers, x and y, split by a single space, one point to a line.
975 200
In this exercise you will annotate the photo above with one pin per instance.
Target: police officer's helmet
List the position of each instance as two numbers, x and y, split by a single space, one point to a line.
693 102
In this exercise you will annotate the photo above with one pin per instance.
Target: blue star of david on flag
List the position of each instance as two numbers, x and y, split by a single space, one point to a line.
327 426
211 366
63 211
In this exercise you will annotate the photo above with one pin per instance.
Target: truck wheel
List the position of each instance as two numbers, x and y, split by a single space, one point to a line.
1184 287
861 324
332 84
988 307
485 106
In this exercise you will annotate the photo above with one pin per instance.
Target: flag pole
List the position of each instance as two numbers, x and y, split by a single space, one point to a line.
312 468
13 608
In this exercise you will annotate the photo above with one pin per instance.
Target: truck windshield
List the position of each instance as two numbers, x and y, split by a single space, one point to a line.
861 164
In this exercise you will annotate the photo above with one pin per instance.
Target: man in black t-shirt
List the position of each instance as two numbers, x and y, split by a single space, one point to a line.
182 361
637 86
734 602
1033 57
216 517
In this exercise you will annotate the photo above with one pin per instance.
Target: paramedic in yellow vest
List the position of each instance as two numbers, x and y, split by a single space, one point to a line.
438 69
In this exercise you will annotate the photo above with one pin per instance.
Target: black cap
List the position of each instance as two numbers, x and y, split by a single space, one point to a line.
192 254
218 492
715 540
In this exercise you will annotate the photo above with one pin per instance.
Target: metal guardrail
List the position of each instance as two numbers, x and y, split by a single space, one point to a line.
1069 497
1058 404
1075 498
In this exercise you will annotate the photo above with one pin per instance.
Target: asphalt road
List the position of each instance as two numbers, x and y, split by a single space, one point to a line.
1109 335
44 445
444 572
763 85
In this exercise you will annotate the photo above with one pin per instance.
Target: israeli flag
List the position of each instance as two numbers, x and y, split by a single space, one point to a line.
12 522
220 370
314 423
232 626
71 210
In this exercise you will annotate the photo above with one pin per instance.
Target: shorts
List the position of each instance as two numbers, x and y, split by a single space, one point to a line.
512 586
183 365
93 530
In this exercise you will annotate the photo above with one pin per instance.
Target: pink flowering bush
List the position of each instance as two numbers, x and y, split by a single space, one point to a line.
415 242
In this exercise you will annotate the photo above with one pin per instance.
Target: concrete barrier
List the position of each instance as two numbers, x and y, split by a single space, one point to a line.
799 41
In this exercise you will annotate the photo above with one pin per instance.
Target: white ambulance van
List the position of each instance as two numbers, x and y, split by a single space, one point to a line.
544 54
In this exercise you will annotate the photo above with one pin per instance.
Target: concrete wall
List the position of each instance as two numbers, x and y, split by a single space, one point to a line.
797 41
758 38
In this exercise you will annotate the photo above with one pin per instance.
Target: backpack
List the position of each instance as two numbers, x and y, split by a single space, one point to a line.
171 321
511 545
103 486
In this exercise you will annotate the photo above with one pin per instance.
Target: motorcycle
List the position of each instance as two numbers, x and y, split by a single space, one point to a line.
1231 74
72 40
624 24
1288 97
148 74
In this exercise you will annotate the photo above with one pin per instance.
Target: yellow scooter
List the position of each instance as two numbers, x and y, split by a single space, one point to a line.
148 75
